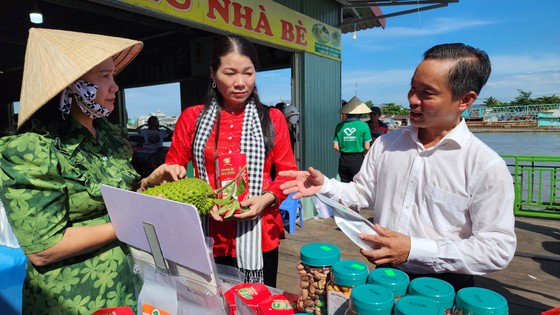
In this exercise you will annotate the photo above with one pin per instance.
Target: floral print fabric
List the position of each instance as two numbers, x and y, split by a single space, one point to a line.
49 182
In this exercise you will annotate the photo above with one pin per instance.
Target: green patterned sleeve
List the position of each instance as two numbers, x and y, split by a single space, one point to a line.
33 191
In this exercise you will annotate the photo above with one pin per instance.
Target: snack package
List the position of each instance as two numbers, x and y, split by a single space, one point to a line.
121 310
228 166
252 294
279 304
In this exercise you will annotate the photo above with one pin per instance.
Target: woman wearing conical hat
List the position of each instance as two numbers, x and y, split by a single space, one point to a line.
51 172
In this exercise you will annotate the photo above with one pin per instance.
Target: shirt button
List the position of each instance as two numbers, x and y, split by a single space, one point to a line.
229 138
104 158
229 151
231 126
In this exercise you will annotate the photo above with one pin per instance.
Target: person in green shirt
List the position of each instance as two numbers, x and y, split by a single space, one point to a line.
52 169
352 139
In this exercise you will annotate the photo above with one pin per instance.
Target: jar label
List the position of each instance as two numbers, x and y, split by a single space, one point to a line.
337 302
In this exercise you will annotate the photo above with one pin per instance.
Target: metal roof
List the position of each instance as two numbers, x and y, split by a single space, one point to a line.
95 16
360 15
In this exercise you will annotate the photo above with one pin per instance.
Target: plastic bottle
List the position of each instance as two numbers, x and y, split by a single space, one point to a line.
314 273
394 279
480 301
371 299
346 274
436 289
417 305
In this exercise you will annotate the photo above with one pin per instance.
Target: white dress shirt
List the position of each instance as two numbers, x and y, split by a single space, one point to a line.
455 200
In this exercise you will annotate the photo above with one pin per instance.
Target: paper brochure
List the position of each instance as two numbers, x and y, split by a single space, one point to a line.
350 223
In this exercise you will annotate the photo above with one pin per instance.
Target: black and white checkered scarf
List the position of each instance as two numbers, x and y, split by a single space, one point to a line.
249 232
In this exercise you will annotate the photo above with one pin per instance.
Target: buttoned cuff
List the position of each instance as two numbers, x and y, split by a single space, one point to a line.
327 185
422 250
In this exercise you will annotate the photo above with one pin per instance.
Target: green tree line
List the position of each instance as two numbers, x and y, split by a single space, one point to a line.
390 108
524 98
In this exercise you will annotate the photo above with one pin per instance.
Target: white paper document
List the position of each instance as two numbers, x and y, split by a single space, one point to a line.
350 223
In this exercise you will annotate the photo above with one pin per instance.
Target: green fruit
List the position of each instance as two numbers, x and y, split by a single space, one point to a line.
193 191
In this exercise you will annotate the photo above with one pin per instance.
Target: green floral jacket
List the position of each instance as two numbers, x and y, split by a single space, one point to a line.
49 182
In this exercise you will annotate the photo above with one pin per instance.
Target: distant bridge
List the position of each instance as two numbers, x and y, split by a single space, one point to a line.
508 113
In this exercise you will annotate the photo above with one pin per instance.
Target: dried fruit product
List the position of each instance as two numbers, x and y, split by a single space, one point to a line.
314 272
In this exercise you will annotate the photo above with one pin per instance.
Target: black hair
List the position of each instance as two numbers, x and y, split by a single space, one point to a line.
280 106
48 114
153 120
224 45
470 71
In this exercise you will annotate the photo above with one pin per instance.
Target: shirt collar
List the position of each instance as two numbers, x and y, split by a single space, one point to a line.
459 135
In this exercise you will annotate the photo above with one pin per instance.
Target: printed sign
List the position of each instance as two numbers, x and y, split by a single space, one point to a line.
263 20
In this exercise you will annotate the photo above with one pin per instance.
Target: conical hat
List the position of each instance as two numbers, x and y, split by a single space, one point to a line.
55 58
355 106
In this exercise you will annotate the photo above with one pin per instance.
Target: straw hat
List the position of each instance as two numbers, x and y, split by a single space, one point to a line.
55 58
354 107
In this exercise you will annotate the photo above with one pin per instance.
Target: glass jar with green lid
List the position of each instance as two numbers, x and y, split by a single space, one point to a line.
371 299
480 301
346 274
314 273
417 305
394 279
436 289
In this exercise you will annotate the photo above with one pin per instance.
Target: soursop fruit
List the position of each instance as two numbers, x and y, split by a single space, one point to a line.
193 191
200 194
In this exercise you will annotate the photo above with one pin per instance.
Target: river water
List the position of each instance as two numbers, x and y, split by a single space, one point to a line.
522 143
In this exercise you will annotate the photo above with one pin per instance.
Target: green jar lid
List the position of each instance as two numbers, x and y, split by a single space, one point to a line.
319 254
480 301
416 304
350 273
370 299
436 289
394 279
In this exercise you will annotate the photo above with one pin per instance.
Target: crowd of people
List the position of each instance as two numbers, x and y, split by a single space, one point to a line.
442 199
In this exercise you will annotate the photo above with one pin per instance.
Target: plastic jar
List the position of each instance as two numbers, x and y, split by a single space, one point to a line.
416 305
394 279
314 273
346 274
371 299
480 301
436 289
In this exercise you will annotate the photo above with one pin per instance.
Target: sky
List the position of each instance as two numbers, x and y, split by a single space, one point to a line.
522 39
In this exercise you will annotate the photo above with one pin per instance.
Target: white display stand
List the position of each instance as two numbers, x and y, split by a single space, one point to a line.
168 236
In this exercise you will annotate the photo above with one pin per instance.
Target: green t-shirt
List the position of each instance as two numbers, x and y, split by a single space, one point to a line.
49 182
351 134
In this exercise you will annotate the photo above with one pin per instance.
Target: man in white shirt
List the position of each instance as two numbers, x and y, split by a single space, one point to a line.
442 199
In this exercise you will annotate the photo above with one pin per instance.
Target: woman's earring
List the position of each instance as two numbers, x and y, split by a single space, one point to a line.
213 84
